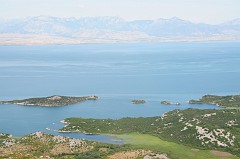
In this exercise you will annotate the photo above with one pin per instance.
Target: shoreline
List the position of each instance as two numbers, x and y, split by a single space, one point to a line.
41 43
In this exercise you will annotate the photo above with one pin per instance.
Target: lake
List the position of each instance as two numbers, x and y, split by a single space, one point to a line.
117 73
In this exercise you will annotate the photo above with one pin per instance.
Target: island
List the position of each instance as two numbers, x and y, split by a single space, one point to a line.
138 101
169 103
182 134
230 101
50 101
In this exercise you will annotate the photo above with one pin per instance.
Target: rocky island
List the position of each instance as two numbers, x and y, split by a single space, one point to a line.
169 103
138 101
232 101
50 101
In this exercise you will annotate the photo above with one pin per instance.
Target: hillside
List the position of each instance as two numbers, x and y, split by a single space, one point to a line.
207 129
42 145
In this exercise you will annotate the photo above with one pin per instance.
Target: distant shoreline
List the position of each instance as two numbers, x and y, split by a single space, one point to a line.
38 40
50 101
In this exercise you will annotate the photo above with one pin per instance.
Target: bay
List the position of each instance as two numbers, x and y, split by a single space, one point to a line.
117 73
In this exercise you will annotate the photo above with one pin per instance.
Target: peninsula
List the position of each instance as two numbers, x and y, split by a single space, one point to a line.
214 130
202 129
50 101
231 101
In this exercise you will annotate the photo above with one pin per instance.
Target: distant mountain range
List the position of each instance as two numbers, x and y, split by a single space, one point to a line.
48 30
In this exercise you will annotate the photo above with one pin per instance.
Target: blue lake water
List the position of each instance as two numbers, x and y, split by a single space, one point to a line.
117 73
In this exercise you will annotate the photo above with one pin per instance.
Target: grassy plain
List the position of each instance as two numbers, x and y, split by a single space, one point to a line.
174 150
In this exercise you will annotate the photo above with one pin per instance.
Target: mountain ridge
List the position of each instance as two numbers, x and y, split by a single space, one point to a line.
115 29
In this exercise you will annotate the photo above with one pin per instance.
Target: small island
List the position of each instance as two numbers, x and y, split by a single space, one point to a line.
169 103
50 101
232 101
138 101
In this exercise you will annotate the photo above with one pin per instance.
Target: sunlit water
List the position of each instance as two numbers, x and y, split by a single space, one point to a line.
117 73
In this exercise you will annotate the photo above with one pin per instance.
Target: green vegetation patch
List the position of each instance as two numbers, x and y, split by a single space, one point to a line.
174 150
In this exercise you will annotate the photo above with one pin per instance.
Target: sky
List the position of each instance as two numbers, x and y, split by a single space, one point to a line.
206 11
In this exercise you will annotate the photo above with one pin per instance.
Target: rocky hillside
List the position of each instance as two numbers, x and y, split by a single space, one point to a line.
43 146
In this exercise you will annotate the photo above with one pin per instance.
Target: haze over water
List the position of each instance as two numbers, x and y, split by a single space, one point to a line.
117 73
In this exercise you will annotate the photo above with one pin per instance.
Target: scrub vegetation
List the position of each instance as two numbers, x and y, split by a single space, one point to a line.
204 129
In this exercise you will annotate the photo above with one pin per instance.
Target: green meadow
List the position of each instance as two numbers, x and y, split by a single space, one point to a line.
174 150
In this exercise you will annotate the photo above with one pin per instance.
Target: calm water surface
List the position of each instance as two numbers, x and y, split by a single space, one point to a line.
117 73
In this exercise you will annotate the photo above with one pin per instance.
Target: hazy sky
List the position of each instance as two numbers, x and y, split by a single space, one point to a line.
208 11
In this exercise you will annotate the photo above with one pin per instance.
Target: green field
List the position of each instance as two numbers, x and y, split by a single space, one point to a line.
174 150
